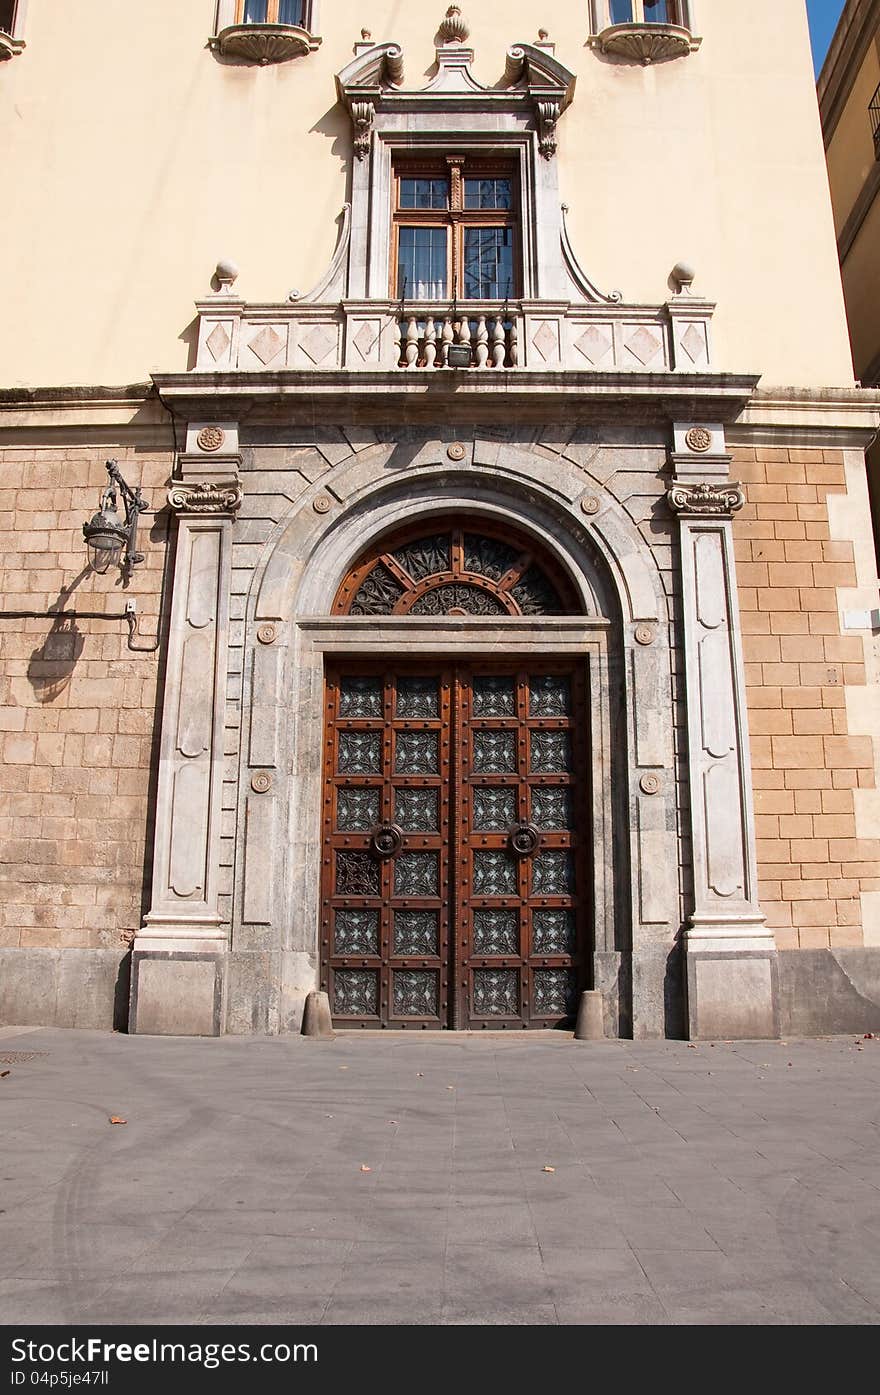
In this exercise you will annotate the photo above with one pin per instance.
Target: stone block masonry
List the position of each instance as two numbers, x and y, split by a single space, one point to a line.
813 756
77 718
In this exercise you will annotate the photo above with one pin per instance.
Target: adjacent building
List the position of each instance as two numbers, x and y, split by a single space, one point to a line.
849 103
477 607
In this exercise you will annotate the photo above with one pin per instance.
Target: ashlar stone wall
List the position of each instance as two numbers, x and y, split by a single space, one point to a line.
77 716
813 754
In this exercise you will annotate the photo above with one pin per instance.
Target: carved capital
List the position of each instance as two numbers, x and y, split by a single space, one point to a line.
362 115
205 496
706 498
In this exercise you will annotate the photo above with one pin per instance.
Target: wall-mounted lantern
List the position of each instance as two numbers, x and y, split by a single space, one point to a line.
106 534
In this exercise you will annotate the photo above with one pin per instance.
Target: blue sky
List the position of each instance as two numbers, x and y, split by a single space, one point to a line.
824 15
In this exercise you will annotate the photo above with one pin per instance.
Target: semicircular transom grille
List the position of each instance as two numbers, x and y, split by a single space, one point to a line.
446 568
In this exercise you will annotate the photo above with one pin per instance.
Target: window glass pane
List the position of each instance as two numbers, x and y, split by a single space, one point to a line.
488 263
290 12
255 12
487 193
621 12
661 12
421 264
423 193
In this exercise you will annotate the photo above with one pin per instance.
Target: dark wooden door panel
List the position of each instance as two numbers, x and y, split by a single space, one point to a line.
454 886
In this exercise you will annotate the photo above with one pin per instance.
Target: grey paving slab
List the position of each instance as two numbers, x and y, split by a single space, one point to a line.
715 1184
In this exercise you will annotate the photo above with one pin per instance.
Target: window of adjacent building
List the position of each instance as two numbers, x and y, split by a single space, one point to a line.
645 12
456 231
272 12
7 16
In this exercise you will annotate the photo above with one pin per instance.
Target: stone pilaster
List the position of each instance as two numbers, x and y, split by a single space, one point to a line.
179 954
730 952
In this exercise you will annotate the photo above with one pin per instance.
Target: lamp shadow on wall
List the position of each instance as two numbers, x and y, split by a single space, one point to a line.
51 665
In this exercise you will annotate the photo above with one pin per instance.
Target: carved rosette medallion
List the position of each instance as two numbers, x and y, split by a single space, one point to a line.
644 634
267 634
650 783
698 439
706 499
456 451
204 496
261 781
590 504
210 438
321 504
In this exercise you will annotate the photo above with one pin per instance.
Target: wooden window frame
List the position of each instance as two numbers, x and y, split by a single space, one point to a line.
681 18
455 218
272 7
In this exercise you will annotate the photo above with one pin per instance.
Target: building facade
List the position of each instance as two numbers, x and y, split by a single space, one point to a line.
849 104
498 634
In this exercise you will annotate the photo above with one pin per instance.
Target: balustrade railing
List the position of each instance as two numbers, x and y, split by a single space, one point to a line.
458 339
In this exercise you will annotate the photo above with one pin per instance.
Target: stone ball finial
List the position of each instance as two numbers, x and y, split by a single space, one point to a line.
226 272
543 34
454 29
683 275
366 34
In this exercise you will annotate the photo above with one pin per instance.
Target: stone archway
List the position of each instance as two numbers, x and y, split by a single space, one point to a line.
620 638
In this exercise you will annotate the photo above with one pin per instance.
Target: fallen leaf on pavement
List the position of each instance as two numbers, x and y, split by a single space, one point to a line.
3 1074
548 1168
115 1119
364 1168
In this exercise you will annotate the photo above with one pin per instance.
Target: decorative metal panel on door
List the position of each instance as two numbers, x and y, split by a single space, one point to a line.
454 887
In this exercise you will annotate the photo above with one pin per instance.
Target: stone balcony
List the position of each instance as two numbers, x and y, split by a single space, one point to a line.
414 337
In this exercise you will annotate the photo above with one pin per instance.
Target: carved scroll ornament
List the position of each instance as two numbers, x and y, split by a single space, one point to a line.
205 497
362 115
706 498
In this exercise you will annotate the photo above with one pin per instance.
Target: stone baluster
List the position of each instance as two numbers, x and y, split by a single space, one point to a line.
412 342
482 349
447 338
499 348
464 331
430 342
513 345
398 340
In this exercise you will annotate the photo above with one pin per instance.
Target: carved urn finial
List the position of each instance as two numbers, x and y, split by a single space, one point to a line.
454 29
366 34
225 274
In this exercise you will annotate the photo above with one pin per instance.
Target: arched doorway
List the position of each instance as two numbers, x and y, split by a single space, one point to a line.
456 875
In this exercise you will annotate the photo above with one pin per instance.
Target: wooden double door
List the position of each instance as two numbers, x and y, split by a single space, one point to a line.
455 845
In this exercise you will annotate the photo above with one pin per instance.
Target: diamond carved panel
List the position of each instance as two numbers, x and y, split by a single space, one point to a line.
366 339
645 345
546 341
218 342
596 345
693 341
319 343
267 345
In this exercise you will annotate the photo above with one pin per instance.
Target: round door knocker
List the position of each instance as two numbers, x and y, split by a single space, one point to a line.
524 839
386 840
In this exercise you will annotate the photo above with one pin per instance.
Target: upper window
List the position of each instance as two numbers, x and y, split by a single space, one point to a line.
266 31
455 231
11 25
644 30
645 12
272 12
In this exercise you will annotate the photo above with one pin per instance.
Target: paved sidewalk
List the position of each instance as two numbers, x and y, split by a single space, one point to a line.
736 1183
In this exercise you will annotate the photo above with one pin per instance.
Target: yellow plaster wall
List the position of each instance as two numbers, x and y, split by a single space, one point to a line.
133 159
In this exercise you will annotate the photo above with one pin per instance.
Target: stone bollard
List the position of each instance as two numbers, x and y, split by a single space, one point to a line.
316 1017
589 1025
